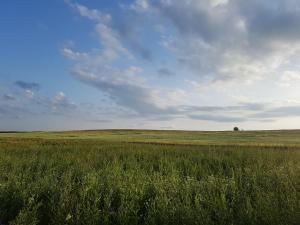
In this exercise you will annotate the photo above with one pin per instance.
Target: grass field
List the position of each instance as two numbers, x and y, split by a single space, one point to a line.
150 177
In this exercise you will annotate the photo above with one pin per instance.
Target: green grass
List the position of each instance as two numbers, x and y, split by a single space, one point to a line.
274 138
150 177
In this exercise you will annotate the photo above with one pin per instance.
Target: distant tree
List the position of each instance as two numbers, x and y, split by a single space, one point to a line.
235 129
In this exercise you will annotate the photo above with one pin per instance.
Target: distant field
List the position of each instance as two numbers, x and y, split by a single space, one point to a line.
269 138
150 177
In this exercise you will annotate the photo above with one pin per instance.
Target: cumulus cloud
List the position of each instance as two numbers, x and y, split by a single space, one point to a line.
26 103
224 41
275 20
140 5
233 40
29 93
60 103
290 76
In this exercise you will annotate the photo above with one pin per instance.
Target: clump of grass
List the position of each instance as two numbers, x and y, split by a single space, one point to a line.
93 182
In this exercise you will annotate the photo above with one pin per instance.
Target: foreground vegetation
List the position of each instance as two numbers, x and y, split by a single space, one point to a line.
139 177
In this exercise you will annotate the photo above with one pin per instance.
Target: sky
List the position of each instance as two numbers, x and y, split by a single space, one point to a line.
149 64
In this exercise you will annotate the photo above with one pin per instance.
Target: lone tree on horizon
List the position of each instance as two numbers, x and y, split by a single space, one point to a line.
236 129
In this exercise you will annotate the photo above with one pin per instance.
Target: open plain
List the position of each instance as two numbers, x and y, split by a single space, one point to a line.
150 177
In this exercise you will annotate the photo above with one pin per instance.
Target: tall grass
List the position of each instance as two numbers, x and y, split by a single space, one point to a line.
92 182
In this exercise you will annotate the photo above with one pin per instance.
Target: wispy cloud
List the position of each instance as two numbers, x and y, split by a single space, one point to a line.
165 72
27 103
92 14
232 40
217 118
213 41
28 85
125 86
8 97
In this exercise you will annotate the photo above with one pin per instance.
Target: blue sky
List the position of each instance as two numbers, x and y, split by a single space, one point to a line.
155 64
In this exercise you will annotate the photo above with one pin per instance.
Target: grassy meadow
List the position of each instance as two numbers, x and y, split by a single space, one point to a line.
140 177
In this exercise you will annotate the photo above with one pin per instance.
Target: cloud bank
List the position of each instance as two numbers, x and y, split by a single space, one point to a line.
217 44
164 63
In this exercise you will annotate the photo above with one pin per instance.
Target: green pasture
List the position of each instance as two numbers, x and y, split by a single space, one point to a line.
150 177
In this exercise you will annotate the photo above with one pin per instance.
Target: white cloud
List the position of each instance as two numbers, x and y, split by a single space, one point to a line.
69 53
61 104
212 43
216 3
291 76
91 14
27 103
236 40
140 5
29 93
60 97
125 86
111 42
